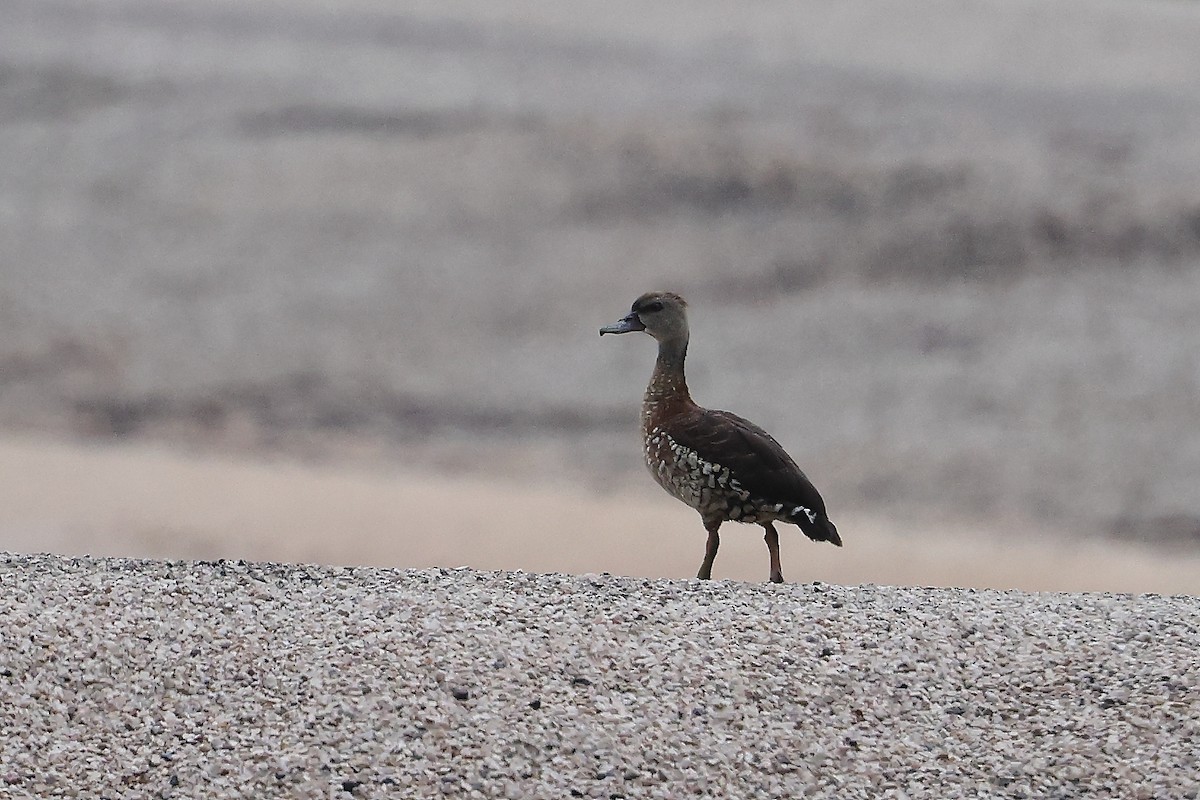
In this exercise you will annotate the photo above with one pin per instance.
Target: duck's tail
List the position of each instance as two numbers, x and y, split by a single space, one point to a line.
816 525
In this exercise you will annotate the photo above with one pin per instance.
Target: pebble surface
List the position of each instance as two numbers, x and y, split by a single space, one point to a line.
150 679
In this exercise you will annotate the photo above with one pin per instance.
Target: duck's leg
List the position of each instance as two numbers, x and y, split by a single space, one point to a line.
772 540
710 551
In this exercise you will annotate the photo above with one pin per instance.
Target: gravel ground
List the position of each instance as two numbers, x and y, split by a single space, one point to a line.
235 679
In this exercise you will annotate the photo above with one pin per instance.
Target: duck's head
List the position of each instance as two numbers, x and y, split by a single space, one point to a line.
663 315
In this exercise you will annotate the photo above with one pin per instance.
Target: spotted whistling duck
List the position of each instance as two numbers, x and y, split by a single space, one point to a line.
725 467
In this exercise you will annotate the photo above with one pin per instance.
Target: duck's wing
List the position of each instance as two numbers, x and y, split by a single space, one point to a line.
753 457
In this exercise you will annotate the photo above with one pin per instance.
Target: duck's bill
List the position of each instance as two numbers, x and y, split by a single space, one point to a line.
629 324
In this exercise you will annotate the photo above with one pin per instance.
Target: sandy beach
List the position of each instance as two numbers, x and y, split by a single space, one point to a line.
151 502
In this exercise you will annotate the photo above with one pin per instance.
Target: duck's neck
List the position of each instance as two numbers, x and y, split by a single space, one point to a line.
667 393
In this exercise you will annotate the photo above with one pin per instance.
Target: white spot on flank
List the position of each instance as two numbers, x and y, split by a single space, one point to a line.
812 517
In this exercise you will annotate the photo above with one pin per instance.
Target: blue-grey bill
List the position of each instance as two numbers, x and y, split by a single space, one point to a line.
629 324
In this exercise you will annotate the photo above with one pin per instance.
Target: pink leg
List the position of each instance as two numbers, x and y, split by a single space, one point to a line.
710 551
772 540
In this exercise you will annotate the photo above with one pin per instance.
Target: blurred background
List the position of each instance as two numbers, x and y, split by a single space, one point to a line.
315 281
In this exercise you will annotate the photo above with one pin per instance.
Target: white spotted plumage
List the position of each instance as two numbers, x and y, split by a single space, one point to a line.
705 485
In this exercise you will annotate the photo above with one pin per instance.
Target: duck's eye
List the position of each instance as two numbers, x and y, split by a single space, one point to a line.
654 307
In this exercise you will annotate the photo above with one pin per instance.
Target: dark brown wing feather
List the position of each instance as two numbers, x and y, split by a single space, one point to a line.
753 456
756 460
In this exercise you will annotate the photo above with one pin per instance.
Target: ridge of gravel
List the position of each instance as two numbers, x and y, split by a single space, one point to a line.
151 679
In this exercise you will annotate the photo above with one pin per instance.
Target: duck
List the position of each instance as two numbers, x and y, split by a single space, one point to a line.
722 465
